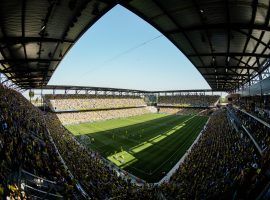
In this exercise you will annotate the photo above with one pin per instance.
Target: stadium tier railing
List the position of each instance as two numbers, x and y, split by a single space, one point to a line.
265 191
78 186
254 117
246 130
38 187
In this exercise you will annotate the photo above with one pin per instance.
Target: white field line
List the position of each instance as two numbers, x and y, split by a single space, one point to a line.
163 162
176 166
134 140
162 149
172 154
126 119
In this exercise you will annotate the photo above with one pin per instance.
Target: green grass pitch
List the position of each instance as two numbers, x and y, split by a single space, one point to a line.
147 146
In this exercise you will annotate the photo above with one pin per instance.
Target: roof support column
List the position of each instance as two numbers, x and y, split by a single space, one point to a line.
260 82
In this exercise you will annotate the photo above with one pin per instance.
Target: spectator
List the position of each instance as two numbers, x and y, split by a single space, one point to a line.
76 102
24 143
213 163
188 100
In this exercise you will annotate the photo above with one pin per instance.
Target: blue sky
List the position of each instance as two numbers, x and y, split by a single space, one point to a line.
120 51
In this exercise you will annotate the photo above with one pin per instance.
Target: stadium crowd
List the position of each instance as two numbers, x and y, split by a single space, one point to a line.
217 165
188 100
71 102
99 179
24 144
258 109
183 111
262 113
222 164
99 115
259 131
179 111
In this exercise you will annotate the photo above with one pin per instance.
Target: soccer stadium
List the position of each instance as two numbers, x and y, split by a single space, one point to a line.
65 137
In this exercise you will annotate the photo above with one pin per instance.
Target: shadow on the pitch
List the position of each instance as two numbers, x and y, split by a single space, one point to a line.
125 138
143 140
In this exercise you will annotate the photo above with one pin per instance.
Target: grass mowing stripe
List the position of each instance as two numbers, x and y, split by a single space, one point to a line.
169 163
148 136
171 144
113 123
152 177
160 140
187 142
123 141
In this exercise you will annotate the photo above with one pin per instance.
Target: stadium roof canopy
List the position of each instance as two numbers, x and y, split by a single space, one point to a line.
226 40
106 89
